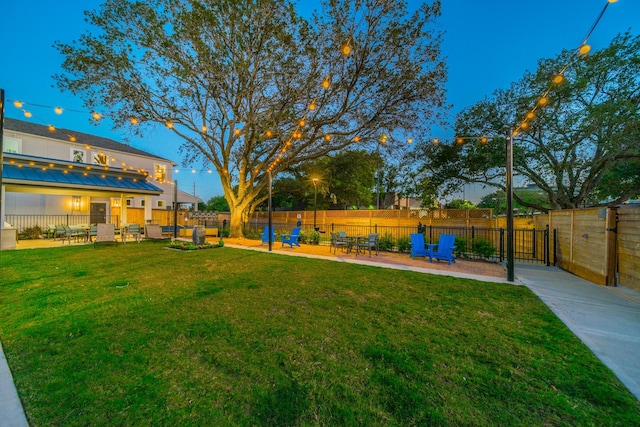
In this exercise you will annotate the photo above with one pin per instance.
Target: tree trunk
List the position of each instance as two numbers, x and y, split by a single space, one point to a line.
236 218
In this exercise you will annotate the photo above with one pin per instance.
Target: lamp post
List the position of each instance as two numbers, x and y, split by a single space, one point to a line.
509 195
315 201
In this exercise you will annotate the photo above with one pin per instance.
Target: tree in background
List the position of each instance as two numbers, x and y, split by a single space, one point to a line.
251 87
460 204
215 204
583 147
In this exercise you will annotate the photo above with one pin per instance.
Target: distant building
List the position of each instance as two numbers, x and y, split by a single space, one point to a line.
49 171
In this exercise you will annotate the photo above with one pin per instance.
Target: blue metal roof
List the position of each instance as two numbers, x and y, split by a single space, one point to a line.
78 178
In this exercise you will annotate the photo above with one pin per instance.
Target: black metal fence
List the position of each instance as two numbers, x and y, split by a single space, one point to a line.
530 245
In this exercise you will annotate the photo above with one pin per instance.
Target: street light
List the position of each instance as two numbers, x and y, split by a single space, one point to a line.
315 201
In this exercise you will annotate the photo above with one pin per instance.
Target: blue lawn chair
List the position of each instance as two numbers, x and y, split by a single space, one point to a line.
417 246
265 234
443 250
291 239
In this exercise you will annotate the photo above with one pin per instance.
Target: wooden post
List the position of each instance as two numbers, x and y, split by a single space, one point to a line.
611 243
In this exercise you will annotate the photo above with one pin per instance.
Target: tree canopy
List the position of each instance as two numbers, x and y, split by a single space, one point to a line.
581 148
252 88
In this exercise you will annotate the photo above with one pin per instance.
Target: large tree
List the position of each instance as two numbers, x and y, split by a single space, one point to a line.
252 88
583 147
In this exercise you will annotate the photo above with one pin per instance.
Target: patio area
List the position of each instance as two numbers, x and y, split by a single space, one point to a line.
463 266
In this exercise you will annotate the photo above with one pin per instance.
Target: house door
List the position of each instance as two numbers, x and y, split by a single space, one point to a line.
98 213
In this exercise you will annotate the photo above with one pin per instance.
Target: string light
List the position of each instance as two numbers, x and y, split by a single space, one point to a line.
58 110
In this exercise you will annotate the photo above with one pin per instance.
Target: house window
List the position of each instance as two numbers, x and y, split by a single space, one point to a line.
142 202
78 155
161 203
160 172
99 158
129 202
12 145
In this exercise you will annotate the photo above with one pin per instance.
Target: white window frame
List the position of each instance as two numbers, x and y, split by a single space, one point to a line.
157 167
75 151
12 145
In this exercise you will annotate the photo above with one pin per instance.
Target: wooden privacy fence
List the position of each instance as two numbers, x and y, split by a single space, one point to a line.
601 245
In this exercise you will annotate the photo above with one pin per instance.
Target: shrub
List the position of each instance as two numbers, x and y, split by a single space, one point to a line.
386 243
249 233
189 246
30 233
310 236
482 248
404 244
461 247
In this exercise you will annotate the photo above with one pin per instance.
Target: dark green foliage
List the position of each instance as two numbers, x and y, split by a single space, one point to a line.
404 244
483 248
386 242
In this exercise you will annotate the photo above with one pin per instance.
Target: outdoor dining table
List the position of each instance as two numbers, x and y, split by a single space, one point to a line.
355 241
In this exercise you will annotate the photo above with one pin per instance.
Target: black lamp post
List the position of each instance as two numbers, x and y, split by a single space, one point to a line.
315 201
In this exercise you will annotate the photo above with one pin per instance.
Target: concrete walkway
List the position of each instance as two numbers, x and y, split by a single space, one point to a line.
606 319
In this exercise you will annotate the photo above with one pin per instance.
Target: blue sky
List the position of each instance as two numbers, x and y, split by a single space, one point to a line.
488 45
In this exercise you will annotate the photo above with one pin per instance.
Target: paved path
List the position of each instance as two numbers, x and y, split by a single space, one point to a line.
606 319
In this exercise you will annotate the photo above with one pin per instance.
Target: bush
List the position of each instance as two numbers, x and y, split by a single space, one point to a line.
189 246
482 248
311 237
30 233
386 243
404 244
461 247
250 233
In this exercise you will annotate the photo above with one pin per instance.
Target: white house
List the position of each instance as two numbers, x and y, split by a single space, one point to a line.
50 172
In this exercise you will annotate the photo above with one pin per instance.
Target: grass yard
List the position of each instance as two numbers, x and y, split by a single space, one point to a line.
135 334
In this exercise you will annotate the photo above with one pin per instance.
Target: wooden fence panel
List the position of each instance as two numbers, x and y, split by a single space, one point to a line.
629 246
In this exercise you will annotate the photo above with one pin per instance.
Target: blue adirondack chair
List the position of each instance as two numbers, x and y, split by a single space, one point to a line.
291 239
417 246
265 234
443 250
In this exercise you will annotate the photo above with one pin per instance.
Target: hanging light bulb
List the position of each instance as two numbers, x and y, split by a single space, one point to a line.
134 120
524 125
436 141
169 125
96 116
515 132
204 128
302 123
584 49
530 115
237 131
72 138
58 110
356 138
268 133
459 141
543 101
558 79
27 114
17 104
484 140
327 137
312 106
326 83
410 140
52 128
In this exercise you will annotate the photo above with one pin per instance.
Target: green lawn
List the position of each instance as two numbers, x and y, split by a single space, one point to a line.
139 335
